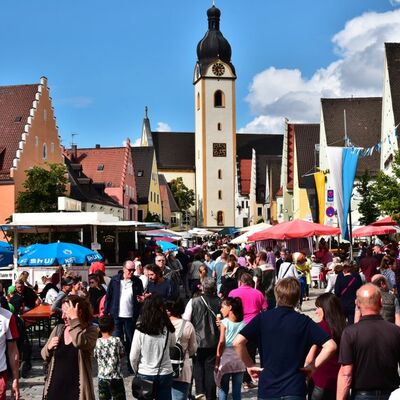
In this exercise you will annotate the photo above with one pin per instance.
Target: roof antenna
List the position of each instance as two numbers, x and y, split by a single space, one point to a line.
72 138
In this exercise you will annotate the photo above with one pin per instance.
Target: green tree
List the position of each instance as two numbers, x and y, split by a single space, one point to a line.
386 190
367 207
152 217
42 188
182 194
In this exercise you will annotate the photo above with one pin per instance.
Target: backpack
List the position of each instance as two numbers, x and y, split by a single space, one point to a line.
177 355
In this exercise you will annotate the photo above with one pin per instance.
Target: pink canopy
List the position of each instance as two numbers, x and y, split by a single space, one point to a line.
165 239
370 230
293 230
385 221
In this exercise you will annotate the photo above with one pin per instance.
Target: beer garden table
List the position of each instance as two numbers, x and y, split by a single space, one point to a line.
40 318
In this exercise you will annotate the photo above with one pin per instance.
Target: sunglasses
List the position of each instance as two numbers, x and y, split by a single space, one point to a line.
130 270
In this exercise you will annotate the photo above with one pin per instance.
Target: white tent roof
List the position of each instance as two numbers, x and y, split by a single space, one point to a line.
261 225
28 220
243 238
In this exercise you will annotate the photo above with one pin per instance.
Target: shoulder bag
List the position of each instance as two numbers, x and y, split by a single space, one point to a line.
145 389
209 308
347 287
177 355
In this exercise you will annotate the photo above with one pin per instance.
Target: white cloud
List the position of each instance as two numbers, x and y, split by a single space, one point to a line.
358 71
394 2
77 101
136 143
163 127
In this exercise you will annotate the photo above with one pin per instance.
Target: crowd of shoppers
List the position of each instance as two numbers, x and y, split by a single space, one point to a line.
221 306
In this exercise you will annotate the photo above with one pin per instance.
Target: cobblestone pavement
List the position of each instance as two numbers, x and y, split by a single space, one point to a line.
32 387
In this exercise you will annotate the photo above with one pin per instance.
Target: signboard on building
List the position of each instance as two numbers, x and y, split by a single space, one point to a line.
95 246
330 195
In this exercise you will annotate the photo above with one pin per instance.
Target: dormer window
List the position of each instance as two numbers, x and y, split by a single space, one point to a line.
100 167
18 118
140 173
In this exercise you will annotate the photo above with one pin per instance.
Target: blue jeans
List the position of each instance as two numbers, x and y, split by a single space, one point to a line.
237 379
164 382
371 396
179 390
124 329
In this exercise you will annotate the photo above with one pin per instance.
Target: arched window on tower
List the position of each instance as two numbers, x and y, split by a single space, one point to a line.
198 101
220 218
219 99
44 154
219 126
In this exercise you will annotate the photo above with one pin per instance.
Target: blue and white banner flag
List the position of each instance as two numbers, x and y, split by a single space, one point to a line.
343 166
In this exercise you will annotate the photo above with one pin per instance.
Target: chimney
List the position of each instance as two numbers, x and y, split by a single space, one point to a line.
74 151
97 146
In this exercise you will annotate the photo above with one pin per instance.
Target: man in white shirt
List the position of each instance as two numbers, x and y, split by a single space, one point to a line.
122 303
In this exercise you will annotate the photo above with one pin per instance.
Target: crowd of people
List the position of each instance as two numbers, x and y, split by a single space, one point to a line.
202 317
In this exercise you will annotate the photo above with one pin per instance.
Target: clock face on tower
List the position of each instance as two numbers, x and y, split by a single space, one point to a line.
218 69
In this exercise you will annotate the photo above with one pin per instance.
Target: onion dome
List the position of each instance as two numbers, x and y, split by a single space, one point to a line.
213 46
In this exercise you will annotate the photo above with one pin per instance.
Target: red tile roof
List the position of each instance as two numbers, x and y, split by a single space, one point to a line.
245 176
103 165
15 105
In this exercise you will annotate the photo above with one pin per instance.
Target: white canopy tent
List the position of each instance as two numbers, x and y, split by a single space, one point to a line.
249 230
71 221
260 226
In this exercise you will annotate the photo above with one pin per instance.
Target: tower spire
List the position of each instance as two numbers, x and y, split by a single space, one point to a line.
146 139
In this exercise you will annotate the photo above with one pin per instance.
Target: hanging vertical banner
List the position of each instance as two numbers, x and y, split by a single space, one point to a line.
349 168
319 178
267 183
309 183
335 168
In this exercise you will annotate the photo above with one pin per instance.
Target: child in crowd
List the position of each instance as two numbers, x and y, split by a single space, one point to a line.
228 364
203 273
108 352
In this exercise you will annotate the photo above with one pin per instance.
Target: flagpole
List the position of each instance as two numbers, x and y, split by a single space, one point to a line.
346 144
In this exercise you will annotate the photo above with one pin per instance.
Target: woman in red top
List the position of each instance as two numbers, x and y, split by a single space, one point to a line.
332 320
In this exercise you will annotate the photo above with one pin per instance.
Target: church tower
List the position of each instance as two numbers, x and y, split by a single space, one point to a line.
215 128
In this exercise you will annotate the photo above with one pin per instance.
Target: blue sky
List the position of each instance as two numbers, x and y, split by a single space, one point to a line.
105 61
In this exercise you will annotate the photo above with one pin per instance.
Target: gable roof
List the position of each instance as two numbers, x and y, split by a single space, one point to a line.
392 51
103 164
244 177
363 119
274 167
306 137
173 206
83 189
266 144
143 162
15 105
176 150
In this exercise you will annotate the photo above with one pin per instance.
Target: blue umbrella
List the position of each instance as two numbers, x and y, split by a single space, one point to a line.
59 253
5 245
6 256
167 246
